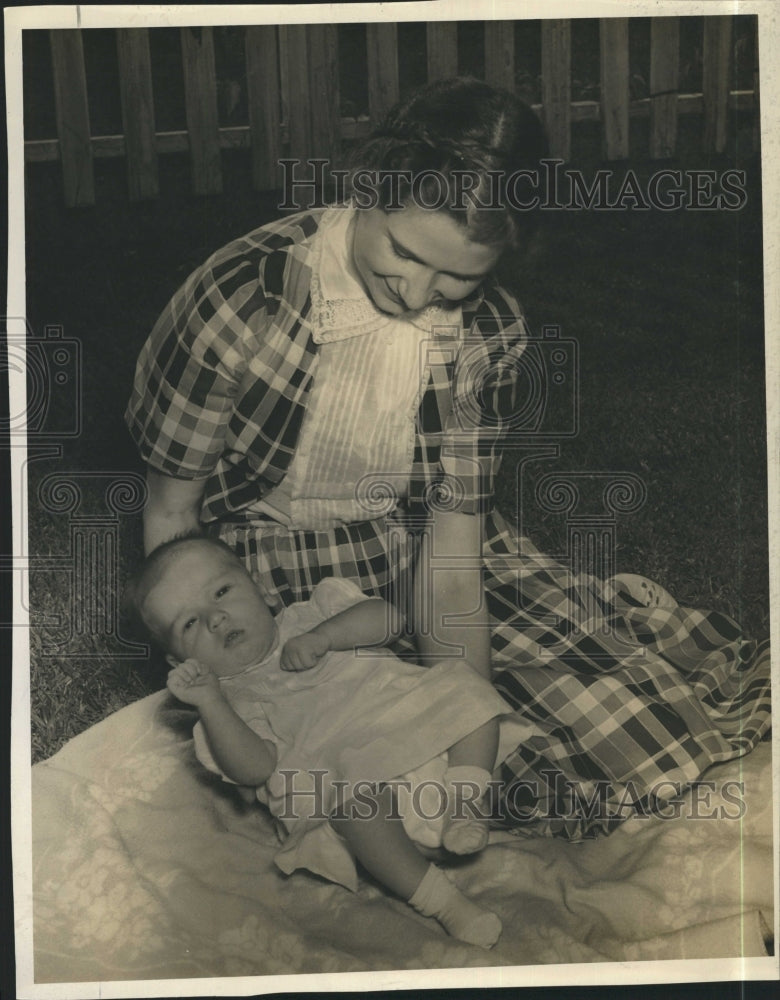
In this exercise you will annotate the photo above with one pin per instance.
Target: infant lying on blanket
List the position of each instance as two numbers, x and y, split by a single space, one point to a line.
289 708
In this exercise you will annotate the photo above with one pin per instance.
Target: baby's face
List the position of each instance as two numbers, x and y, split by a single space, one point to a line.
206 607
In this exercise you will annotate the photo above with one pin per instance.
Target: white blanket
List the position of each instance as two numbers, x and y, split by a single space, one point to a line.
148 867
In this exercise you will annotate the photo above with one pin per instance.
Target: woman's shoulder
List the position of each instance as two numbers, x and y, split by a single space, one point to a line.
273 260
289 234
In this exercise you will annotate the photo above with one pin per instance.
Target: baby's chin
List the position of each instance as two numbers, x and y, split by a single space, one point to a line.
246 650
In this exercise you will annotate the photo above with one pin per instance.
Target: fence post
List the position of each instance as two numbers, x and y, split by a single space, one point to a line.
72 108
295 86
442 44
556 85
200 97
664 85
135 83
500 54
382 52
715 81
262 80
613 34
324 90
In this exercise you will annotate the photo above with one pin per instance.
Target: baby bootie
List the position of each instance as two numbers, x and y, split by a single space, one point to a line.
437 897
464 832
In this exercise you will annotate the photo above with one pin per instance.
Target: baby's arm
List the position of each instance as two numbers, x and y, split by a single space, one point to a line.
238 751
372 622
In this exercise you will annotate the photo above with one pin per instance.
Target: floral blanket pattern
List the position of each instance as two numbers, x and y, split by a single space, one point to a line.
145 866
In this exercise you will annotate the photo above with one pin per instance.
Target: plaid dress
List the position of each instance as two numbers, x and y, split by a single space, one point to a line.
629 697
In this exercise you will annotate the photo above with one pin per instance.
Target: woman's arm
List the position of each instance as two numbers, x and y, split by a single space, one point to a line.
172 507
449 592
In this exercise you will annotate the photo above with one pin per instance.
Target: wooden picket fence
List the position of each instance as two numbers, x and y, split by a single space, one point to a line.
293 96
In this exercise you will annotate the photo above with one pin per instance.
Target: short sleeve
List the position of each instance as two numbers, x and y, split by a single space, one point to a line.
484 403
188 372
333 595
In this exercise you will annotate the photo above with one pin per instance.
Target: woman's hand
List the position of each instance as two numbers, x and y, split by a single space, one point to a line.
303 652
193 683
172 508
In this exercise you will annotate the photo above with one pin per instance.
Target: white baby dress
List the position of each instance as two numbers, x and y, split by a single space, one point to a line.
355 717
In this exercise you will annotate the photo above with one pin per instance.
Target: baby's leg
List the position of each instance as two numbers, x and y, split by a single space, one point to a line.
382 846
470 762
478 749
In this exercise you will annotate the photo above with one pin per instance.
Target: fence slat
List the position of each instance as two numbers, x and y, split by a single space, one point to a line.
262 79
200 99
382 52
664 85
296 77
715 81
135 85
72 109
442 44
613 35
324 90
556 85
238 136
500 54
284 76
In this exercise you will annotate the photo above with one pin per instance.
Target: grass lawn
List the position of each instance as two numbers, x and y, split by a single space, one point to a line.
667 312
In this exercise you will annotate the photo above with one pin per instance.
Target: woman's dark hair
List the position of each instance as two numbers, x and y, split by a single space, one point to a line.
456 129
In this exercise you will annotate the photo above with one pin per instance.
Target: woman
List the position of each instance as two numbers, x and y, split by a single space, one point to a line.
330 394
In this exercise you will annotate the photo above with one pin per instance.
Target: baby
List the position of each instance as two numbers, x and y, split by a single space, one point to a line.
334 743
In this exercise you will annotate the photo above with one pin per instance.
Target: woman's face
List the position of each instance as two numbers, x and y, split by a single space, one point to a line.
414 257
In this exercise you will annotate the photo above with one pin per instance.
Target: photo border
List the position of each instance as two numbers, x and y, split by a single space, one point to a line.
595 974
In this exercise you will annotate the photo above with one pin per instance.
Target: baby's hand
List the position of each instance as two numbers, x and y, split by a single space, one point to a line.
302 652
193 683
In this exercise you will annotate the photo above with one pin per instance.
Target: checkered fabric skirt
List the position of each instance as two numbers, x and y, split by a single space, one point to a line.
626 697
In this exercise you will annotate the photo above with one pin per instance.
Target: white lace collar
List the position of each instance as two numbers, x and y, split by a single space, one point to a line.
340 307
